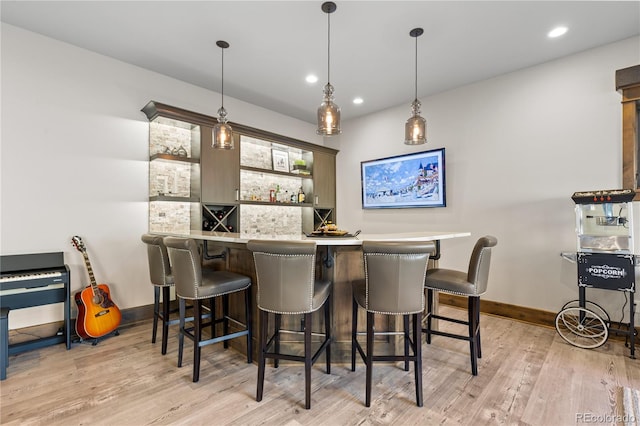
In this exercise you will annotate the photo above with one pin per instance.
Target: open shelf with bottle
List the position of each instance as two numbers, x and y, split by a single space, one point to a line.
265 187
219 218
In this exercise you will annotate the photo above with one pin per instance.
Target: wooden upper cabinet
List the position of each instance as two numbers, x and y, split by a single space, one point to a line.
628 84
324 179
220 170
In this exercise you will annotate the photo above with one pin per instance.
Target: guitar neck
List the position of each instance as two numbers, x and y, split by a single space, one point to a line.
92 278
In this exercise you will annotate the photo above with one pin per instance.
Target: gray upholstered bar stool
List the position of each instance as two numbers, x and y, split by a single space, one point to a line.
285 272
162 280
197 284
472 284
393 285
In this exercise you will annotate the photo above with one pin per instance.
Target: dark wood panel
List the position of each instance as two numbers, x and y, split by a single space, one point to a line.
627 77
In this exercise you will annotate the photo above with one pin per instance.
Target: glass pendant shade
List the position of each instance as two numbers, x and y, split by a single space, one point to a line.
328 111
328 114
415 129
222 132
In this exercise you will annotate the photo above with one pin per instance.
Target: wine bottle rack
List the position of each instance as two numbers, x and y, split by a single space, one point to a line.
321 217
219 218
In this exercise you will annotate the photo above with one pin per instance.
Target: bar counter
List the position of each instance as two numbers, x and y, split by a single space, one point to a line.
338 259
234 237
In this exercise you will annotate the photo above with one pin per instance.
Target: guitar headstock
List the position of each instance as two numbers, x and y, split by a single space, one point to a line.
78 244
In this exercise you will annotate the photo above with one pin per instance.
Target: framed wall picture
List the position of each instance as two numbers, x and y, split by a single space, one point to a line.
403 181
280 160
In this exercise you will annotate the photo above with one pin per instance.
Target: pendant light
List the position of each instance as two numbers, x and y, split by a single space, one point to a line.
328 112
415 130
222 132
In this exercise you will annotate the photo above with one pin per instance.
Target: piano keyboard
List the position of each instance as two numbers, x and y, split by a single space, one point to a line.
20 290
31 276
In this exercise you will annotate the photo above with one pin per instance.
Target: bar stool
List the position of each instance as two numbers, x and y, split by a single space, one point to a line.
162 280
393 285
285 272
472 284
197 284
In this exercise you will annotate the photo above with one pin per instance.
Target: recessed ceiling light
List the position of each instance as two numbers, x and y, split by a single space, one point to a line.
358 100
557 32
311 78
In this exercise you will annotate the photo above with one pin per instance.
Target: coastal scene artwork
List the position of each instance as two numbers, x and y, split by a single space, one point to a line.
404 181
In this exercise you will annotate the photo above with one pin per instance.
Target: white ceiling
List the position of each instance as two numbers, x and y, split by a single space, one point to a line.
275 44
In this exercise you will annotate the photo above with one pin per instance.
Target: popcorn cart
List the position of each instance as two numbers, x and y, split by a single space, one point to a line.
606 259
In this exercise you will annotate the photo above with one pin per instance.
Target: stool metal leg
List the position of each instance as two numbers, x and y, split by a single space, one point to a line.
405 321
197 334
248 317
354 333
225 318
478 345
262 342
166 307
212 309
307 360
429 315
182 308
472 335
417 350
328 306
278 322
369 361
156 312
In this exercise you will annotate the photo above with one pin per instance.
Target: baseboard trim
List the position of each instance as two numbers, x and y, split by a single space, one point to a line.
515 312
519 313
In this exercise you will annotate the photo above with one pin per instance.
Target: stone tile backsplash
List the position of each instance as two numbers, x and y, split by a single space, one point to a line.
168 136
171 178
169 216
256 221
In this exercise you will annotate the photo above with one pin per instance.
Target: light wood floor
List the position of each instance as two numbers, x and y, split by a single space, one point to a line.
527 376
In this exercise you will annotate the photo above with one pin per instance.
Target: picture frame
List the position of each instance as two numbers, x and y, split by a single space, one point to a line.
280 160
404 181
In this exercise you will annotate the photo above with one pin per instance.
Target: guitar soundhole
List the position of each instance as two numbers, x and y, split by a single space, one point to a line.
103 299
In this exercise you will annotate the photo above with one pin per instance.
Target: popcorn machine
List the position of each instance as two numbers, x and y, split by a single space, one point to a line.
607 240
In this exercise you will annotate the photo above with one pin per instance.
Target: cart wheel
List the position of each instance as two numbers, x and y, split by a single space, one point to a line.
581 327
593 307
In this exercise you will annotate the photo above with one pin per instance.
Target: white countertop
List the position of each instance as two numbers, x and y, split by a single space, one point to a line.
234 237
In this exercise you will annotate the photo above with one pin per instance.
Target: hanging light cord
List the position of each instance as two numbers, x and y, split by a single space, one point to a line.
416 93
328 47
222 91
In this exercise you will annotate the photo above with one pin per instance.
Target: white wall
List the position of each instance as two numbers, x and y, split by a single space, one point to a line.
74 156
517 147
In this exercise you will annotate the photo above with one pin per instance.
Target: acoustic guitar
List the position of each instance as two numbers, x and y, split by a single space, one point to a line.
97 314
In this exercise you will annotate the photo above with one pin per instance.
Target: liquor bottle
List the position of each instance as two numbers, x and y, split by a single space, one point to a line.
286 198
301 195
